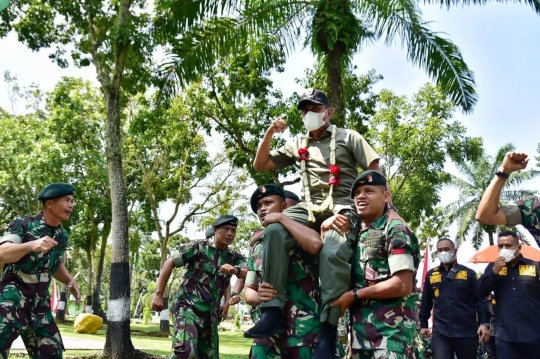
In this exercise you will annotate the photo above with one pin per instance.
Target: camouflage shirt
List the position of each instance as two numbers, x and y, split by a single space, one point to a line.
203 285
525 212
29 278
384 249
303 295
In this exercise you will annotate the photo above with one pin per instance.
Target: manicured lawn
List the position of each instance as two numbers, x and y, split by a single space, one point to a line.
232 345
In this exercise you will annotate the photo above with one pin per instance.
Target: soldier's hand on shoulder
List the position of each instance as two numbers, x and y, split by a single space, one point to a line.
157 302
44 244
338 223
394 216
499 264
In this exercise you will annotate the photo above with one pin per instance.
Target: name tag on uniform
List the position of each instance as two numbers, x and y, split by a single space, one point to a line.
504 271
435 278
462 274
527 270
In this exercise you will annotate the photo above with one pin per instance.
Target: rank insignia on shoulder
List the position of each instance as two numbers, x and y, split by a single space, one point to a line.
527 270
462 274
435 278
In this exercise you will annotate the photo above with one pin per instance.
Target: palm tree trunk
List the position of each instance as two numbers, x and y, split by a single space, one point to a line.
490 237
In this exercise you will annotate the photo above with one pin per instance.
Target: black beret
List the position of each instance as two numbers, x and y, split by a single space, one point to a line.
265 191
209 232
370 177
56 190
313 96
226 221
291 195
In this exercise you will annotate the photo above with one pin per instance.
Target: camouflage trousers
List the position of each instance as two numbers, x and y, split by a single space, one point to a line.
195 336
422 346
32 319
276 348
379 354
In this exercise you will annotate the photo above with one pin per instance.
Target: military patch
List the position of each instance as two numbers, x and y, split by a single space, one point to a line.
398 251
527 270
504 271
262 189
309 92
462 274
436 293
369 178
435 278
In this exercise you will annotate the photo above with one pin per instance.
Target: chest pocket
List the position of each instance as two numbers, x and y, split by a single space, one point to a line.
375 245
528 282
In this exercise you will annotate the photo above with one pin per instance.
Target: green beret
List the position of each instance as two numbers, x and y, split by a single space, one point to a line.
291 195
226 221
265 191
370 177
56 190
209 232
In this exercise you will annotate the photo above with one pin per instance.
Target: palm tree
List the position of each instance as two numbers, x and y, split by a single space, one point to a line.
477 176
334 29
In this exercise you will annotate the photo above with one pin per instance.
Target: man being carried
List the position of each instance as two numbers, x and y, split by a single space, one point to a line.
209 266
384 263
329 158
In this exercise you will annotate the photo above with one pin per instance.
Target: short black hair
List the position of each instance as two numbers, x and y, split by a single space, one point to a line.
509 234
446 239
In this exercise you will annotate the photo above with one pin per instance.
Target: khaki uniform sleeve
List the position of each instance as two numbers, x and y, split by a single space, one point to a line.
283 156
251 278
525 212
401 248
513 214
186 254
362 151
14 233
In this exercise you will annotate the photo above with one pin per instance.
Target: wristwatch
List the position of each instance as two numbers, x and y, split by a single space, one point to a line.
233 293
355 295
239 271
502 174
391 206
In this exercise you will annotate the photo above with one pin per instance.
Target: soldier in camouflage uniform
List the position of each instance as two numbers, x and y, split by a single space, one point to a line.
33 248
525 212
208 270
384 263
303 291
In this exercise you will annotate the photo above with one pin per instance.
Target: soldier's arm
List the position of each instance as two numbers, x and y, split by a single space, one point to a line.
62 274
251 296
306 237
164 276
238 286
426 304
12 252
489 212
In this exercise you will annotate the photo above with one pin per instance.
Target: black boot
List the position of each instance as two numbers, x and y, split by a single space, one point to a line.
326 347
272 322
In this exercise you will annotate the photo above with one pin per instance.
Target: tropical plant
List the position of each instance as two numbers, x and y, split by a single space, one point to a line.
475 178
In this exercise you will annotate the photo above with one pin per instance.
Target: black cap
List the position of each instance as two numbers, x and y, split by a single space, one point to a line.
209 232
265 191
56 190
370 177
313 96
291 195
226 220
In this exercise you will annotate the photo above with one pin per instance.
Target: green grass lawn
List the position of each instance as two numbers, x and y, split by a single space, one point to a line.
232 345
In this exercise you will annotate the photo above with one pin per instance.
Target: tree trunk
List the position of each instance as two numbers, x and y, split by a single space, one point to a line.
490 237
164 324
90 274
334 81
62 304
118 343
96 295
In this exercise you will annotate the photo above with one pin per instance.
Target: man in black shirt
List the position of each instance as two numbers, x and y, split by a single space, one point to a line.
515 282
451 288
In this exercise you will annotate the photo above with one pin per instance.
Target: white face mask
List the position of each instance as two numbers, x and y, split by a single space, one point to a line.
446 257
314 120
508 254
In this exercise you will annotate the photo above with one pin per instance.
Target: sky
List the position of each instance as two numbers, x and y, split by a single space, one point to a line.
499 42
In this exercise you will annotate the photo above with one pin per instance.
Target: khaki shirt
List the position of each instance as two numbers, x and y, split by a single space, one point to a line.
352 150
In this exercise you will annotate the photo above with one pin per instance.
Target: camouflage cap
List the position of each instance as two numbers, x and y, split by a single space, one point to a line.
226 220
209 232
291 195
314 96
370 177
56 190
265 191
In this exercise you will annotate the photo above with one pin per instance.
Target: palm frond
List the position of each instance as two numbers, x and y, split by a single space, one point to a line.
438 56
535 4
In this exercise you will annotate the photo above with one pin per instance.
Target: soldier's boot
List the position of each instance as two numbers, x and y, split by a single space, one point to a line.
326 346
272 322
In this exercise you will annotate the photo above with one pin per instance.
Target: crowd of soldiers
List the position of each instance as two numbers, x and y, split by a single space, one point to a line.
341 249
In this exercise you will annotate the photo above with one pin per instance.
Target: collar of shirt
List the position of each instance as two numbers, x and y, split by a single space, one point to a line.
379 223
522 260
328 130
